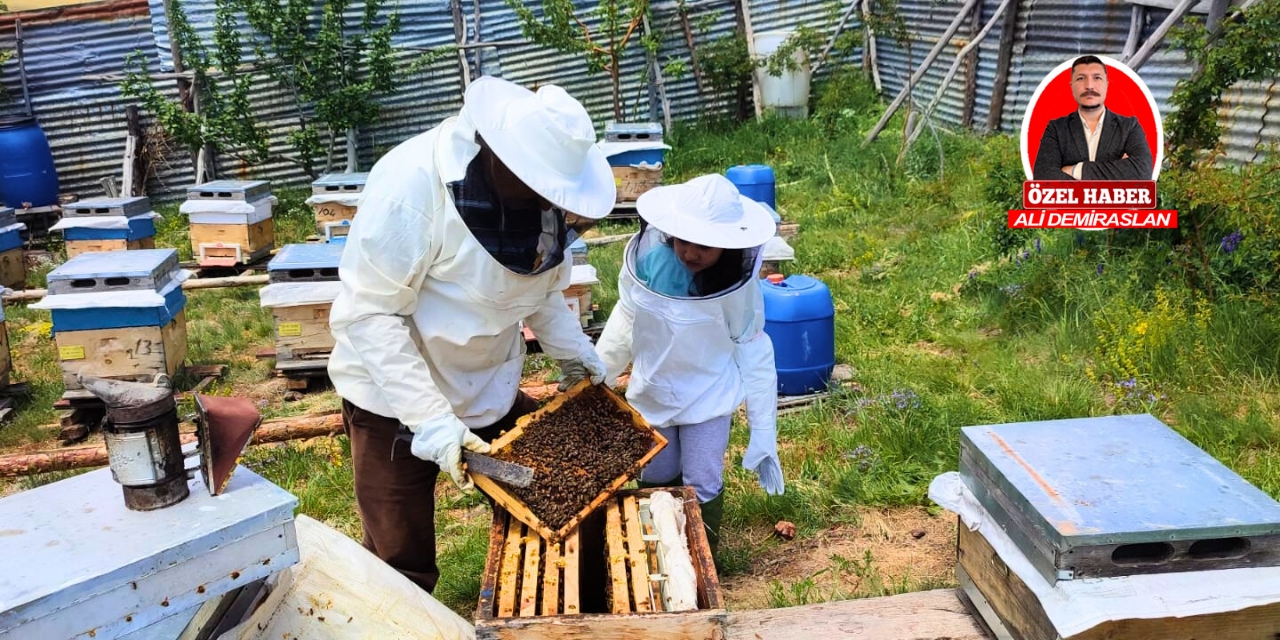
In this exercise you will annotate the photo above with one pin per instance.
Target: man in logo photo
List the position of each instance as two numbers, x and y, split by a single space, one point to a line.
1093 143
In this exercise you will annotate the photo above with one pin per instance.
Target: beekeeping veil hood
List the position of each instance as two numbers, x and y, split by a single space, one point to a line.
709 211
547 139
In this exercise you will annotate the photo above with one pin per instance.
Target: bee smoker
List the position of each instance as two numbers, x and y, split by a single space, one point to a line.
144 450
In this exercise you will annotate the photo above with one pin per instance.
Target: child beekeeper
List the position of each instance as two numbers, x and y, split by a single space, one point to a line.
690 321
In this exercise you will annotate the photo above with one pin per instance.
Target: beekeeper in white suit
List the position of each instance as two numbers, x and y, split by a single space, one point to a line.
462 232
690 320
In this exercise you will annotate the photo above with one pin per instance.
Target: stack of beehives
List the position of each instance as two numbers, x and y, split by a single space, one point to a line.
302 284
334 198
107 224
13 264
231 222
118 315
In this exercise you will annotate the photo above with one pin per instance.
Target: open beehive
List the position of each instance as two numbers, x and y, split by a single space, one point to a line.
570 461
605 580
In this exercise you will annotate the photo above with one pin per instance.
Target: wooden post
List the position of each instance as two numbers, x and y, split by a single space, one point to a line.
869 55
135 179
1136 18
460 38
835 33
924 66
751 53
659 86
951 73
1149 47
693 50
475 28
971 72
1001 85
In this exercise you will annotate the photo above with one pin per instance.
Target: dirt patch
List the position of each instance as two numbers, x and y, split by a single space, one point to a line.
933 349
899 559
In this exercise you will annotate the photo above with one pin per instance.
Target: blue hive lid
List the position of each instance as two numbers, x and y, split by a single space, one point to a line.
8 217
578 246
307 256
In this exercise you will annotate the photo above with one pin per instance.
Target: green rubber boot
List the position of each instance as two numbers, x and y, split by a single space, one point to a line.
712 510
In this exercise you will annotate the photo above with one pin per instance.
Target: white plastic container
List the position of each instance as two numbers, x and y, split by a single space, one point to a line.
789 94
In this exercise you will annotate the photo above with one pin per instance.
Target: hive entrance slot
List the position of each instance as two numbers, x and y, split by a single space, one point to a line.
301 273
1146 553
117 282
1218 548
84 283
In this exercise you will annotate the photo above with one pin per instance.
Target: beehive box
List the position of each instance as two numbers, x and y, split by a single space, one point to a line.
118 315
579 293
79 564
1116 496
107 224
302 284
231 222
13 265
503 495
333 199
632 182
535 589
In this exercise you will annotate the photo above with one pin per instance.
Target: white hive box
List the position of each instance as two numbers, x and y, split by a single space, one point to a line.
78 564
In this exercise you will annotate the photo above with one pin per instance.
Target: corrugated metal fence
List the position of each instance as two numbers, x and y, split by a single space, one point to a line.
85 121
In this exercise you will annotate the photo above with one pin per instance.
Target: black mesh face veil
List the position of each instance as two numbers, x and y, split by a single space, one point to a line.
735 268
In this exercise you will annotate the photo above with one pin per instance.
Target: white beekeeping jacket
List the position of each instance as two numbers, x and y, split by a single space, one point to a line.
427 321
693 358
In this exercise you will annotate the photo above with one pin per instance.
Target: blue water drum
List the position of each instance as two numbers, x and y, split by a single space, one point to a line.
754 181
800 318
26 164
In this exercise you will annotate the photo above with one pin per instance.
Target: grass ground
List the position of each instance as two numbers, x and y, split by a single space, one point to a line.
943 324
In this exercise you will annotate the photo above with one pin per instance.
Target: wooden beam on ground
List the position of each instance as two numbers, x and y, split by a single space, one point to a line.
278 430
925 615
943 42
190 285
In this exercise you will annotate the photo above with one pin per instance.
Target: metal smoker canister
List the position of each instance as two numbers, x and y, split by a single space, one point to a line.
144 452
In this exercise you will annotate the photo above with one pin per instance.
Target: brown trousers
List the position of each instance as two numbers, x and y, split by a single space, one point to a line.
396 492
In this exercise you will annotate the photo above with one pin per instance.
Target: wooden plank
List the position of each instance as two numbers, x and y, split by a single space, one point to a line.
925 615
704 566
1022 614
1008 34
77 247
529 583
571 601
174 338
13 268
620 590
638 559
552 566
509 574
486 608
690 625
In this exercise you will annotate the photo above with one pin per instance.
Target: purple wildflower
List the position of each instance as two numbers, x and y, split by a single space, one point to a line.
1026 255
905 399
1130 383
1231 241
973 274
1099 268
1037 245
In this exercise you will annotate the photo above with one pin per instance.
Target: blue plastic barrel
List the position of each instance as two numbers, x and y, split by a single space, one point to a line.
799 317
27 175
754 181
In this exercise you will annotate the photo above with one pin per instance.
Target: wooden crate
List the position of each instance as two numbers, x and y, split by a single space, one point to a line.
240 243
302 332
331 212
13 269
1012 609
132 353
77 247
502 497
535 589
633 181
